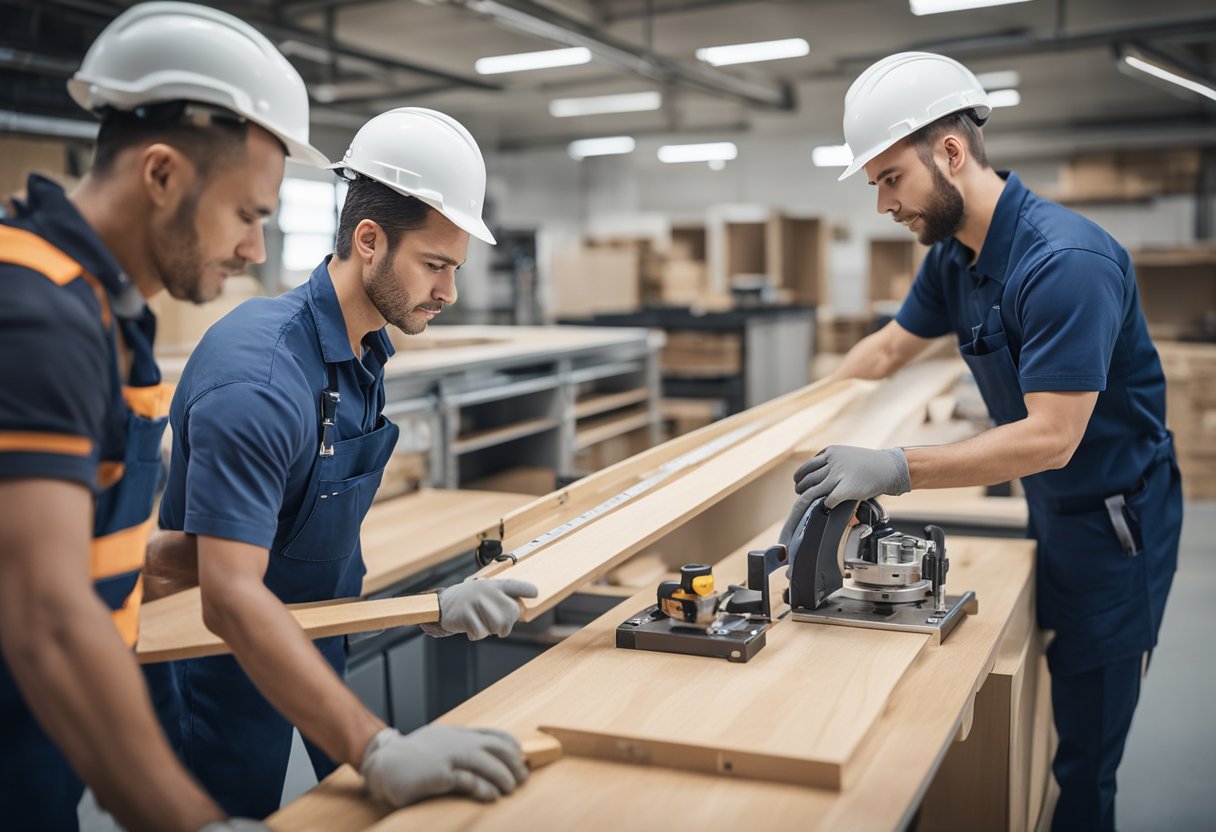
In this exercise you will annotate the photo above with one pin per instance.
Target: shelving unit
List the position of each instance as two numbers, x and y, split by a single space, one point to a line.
511 403
740 357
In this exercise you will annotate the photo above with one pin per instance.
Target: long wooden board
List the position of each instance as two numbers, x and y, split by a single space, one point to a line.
589 552
172 628
407 535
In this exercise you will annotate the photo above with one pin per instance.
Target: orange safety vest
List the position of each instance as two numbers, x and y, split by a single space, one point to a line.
127 487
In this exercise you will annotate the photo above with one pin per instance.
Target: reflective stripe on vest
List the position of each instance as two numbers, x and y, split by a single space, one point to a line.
122 551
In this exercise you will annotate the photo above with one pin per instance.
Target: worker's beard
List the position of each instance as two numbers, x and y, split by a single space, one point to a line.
942 217
179 257
392 300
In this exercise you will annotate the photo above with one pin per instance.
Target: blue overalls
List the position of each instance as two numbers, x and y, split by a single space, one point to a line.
52 262
1051 304
254 461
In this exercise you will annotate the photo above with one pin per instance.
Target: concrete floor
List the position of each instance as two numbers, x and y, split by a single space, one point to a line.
1165 782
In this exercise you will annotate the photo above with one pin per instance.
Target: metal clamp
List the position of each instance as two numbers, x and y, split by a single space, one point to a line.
490 551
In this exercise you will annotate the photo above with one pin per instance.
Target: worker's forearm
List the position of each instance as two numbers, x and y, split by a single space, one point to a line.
1000 454
83 686
870 358
290 672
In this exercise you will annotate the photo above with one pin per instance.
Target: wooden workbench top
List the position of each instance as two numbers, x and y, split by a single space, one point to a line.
908 739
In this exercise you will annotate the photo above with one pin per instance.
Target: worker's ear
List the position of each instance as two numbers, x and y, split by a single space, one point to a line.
368 238
956 153
165 174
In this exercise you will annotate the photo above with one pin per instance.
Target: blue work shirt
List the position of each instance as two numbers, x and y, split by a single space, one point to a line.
246 415
1060 293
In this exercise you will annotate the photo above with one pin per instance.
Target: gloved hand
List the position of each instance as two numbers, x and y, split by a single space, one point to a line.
479 607
437 759
236 825
843 472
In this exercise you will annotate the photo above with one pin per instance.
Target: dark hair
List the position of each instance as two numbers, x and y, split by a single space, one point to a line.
963 123
202 133
367 199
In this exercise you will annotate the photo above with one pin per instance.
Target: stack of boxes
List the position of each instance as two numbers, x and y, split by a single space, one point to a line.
1190 373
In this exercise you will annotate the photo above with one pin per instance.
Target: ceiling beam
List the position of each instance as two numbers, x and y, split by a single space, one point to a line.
1030 43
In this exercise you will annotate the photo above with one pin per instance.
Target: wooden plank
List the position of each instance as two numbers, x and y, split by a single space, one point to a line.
589 552
564 504
477 440
896 411
407 535
969 506
172 628
594 405
597 430
714 758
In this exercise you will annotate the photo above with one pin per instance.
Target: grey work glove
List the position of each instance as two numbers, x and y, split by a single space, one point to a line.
479 608
843 472
437 759
236 825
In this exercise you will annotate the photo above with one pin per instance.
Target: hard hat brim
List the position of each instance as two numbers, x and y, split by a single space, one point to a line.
861 161
475 226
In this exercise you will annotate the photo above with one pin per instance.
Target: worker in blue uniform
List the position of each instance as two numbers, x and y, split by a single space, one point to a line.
1046 311
197 114
279 446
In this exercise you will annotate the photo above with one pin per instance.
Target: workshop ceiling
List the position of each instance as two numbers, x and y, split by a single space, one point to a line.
362 57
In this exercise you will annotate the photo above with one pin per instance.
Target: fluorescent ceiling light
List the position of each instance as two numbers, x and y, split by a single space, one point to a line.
832 156
939 6
1166 75
1004 98
1005 80
747 53
630 102
607 146
698 152
533 60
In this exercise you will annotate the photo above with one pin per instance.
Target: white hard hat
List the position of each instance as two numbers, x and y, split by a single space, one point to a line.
427 155
156 52
901 94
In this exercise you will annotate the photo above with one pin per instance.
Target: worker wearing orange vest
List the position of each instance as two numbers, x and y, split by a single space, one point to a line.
198 114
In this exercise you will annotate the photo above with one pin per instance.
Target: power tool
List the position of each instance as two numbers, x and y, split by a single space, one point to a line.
848 566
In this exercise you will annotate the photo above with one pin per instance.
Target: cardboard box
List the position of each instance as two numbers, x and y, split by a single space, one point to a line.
707 354
590 280
20 156
838 334
180 324
684 283
681 416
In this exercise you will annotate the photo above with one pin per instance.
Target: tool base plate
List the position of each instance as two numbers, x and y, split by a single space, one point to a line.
916 617
650 629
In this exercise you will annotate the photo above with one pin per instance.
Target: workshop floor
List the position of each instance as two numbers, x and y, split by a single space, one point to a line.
1165 779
